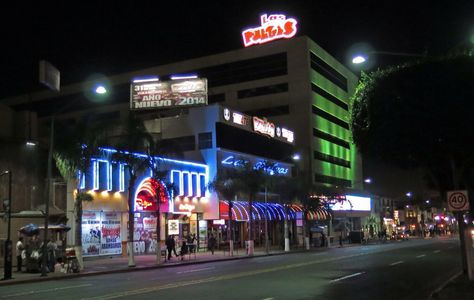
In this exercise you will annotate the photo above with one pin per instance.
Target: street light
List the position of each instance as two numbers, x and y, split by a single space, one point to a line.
99 89
363 57
7 271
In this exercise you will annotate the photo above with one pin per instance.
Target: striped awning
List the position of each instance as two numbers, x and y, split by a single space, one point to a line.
273 211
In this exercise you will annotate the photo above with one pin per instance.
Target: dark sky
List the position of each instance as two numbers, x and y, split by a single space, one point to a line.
109 37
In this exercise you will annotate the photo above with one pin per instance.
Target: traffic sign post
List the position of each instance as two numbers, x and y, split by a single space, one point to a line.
458 200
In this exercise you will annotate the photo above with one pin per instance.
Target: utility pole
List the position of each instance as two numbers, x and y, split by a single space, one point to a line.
7 271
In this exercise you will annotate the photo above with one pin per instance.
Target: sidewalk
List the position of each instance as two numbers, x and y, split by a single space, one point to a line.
458 287
113 264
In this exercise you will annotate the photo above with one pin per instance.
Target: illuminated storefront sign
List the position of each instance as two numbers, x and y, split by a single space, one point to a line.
232 161
173 227
240 119
353 203
174 93
188 208
263 126
272 27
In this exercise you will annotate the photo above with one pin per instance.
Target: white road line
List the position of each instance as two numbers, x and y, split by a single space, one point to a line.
46 291
348 276
319 253
397 263
195 270
268 298
437 251
420 256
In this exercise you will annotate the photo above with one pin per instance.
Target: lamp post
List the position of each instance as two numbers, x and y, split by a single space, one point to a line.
98 89
7 274
363 57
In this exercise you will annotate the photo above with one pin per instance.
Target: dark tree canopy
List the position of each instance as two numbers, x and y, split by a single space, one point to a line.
420 115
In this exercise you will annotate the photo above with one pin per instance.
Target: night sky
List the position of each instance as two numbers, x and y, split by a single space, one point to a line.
109 38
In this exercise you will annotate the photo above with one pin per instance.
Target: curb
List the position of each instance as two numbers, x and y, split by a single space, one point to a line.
435 293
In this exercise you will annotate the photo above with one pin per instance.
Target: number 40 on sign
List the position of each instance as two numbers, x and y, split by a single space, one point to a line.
458 200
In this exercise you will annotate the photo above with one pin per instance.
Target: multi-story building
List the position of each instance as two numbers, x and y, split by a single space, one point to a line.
293 81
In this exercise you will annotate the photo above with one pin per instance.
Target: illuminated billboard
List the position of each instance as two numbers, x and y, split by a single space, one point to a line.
272 27
168 94
354 203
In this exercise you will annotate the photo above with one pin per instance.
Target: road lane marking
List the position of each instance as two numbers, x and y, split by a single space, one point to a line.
348 276
268 298
195 270
397 263
46 291
437 251
219 278
420 256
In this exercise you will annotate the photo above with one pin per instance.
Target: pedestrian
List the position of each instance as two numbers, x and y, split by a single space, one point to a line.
340 240
212 243
184 249
323 240
51 249
171 246
20 247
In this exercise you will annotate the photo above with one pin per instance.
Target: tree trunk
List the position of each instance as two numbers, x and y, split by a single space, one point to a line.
78 232
286 229
158 236
250 248
305 230
131 222
230 231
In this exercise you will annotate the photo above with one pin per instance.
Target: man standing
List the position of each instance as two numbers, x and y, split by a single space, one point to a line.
171 246
19 251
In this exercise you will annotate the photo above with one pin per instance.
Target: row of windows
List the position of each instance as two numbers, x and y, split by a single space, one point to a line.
328 72
329 117
187 143
245 70
328 137
263 90
332 180
216 98
332 159
269 111
329 97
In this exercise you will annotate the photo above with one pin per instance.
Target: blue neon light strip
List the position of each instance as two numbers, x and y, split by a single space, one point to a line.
95 175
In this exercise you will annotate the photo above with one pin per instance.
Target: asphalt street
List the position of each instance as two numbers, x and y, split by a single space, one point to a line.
401 270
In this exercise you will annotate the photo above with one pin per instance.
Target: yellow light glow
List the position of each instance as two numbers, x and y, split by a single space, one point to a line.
117 195
195 200
186 199
92 192
204 200
176 198
104 193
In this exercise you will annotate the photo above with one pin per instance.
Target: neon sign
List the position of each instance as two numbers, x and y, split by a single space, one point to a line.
263 126
271 28
232 161
187 207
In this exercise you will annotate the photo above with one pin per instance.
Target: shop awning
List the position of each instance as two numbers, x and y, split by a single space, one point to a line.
274 211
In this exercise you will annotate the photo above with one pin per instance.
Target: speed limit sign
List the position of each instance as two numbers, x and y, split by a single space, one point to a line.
458 201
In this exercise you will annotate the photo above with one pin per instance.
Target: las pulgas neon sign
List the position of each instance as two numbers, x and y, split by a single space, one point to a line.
272 27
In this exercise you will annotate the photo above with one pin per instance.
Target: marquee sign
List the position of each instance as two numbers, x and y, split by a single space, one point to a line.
263 126
167 94
272 27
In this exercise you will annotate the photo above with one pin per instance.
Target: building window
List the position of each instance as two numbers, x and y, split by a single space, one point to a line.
329 97
245 70
205 140
269 111
332 180
319 112
216 98
263 90
320 66
180 144
328 137
332 159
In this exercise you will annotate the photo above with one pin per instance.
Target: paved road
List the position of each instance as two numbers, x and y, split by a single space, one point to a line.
404 270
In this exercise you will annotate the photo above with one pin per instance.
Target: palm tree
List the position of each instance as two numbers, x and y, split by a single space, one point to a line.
251 181
75 148
132 137
161 186
226 185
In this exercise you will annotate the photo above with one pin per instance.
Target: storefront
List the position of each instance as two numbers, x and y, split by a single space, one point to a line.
105 218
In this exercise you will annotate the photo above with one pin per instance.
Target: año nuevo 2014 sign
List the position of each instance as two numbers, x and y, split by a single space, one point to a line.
167 94
272 27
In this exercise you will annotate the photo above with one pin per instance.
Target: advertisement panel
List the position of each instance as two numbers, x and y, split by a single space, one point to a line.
145 233
101 233
168 94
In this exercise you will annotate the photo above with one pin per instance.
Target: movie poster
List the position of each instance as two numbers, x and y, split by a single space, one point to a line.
110 241
90 233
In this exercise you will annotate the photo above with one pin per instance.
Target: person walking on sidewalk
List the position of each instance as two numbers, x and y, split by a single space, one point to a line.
212 243
171 246
20 247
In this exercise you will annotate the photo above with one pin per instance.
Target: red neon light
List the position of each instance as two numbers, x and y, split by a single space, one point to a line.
272 27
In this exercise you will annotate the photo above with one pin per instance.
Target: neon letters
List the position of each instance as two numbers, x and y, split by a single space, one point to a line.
272 27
